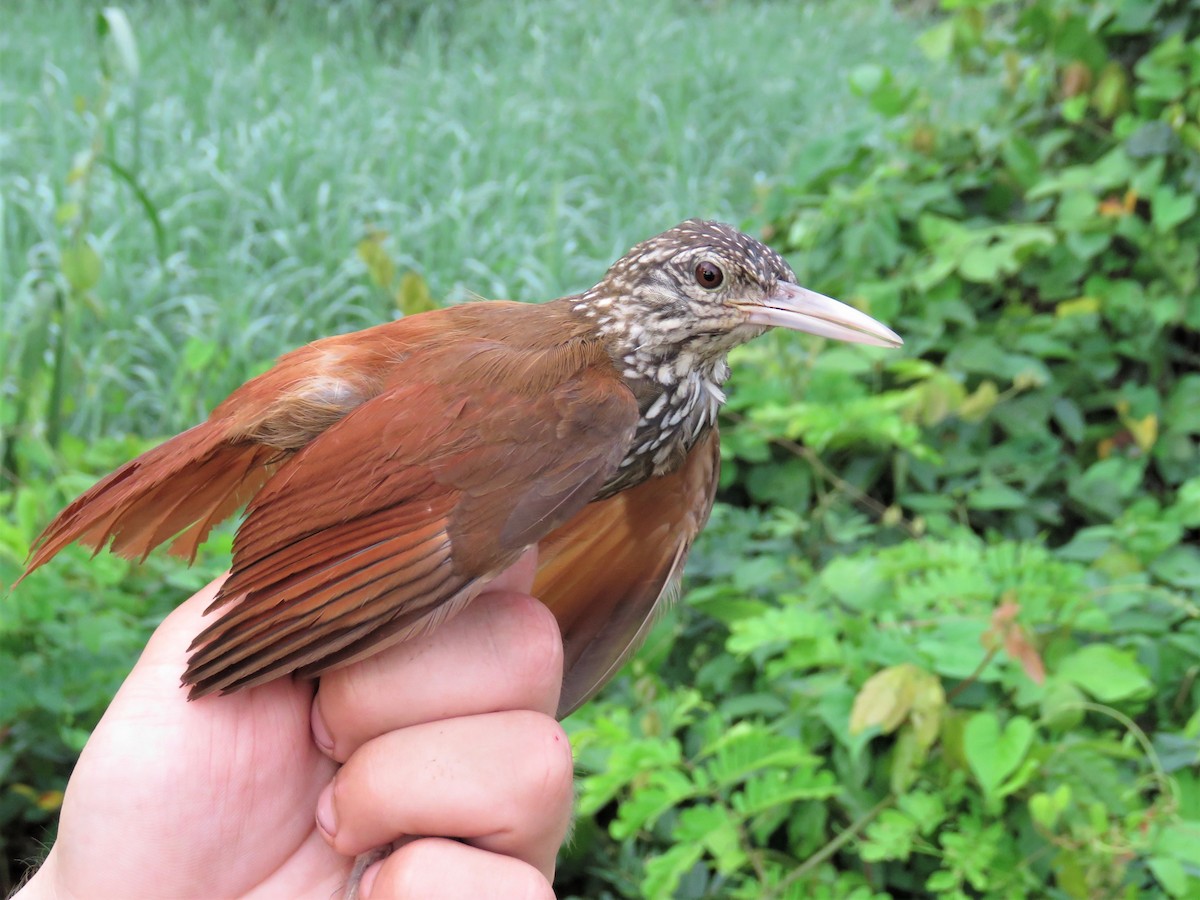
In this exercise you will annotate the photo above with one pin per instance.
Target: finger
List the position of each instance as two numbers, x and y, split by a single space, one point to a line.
502 782
502 652
449 870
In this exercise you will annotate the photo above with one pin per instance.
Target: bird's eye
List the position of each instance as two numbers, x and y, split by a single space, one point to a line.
709 275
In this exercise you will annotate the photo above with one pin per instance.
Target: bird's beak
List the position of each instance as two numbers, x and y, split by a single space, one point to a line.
792 306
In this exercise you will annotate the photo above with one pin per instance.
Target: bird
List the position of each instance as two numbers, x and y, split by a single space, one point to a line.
388 473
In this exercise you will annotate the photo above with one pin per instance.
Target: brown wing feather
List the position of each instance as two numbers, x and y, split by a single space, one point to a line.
204 475
605 572
196 477
316 613
390 520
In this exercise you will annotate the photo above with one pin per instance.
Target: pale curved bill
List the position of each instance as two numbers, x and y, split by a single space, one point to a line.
803 310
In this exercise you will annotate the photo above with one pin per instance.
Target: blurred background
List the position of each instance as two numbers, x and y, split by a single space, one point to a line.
942 635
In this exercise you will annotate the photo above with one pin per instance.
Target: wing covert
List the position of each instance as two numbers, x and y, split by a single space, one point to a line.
391 519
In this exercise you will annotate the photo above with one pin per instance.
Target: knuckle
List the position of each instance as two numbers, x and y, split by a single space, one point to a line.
422 868
404 873
550 774
537 655
526 883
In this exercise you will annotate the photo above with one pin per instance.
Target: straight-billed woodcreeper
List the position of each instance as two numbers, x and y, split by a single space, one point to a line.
390 472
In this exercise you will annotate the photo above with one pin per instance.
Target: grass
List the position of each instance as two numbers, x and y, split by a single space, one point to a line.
508 150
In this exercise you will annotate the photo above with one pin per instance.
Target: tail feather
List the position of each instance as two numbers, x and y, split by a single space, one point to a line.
187 484
244 482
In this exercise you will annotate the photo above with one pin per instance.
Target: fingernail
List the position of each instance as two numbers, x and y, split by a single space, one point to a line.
368 880
326 814
320 731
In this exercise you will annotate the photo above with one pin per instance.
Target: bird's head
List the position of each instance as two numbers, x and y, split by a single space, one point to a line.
703 288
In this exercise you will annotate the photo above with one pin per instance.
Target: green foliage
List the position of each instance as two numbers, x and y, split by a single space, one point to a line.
1043 265
980 676
888 723
244 158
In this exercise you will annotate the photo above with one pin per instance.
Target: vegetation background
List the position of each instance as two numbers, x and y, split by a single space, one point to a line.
942 636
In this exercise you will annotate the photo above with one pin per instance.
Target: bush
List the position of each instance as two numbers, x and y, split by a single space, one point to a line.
982 682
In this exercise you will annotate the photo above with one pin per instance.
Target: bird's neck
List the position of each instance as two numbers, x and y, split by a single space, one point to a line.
673 417
642 352
678 390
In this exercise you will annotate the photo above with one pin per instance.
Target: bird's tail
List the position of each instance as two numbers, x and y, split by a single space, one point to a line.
188 485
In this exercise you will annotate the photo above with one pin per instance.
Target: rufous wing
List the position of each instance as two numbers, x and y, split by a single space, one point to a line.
395 516
206 474
196 479
606 572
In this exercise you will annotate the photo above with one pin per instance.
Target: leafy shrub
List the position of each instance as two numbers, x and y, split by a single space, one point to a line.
983 681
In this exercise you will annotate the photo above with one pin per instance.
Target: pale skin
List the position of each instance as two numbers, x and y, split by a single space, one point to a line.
271 792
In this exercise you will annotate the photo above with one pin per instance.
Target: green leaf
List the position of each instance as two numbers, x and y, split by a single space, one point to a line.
1179 566
664 871
885 699
1151 139
1074 108
112 26
879 85
1022 159
868 77
373 253
1179 840
745 749
985 263
198 352
778 629
81 264
783 788
1170 873
714 827
1107 484
664 790
1169 209
994 495
937 42
927 809
890 836
1062 705
143 199
67 211
413 295
893 696
1047 808
994 753
1106 672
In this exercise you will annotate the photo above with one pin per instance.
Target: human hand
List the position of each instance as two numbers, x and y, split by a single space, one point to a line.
450 735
